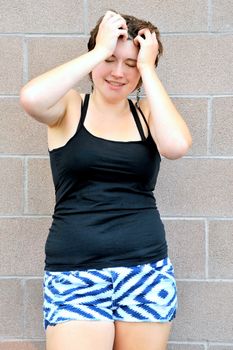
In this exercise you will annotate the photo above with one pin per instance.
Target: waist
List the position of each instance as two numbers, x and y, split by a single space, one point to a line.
89 202
113 236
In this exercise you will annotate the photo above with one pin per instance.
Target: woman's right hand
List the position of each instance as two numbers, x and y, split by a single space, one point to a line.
111 28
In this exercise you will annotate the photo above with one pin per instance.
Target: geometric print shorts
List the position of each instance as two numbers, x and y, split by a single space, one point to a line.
142 293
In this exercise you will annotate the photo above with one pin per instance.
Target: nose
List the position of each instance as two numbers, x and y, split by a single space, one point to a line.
117 70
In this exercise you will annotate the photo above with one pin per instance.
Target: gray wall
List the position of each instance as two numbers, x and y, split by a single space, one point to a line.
194 194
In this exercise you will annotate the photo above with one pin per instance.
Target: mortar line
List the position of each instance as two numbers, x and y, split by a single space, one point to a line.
85 17
78 34
193 157
26 216
177 342
190 96
183 218
220 343
206 249
23 284
25 60
210 15
25 183
8 96
189 280
209 124
22 156
18 340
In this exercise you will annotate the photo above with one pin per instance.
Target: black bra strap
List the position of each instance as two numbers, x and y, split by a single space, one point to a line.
84 107
137 120
142 114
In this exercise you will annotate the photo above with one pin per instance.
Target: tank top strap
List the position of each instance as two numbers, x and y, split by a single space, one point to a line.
84 107
143 116
137 120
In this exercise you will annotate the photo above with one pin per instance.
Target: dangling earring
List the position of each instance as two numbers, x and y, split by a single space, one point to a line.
92 85
138 96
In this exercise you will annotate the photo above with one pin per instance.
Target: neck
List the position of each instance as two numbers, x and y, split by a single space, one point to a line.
108 106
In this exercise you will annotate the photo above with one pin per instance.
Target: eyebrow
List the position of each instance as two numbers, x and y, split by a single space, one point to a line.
127 59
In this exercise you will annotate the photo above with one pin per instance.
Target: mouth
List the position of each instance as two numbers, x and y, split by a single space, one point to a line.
115 84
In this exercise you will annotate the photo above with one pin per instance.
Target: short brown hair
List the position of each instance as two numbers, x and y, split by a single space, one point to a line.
134 25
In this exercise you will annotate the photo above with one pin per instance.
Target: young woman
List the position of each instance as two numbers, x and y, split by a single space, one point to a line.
108 283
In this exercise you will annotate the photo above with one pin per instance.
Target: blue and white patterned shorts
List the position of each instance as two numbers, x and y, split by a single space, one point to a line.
142 293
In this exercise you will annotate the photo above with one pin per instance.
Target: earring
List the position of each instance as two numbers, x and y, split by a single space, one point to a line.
92 84
138 95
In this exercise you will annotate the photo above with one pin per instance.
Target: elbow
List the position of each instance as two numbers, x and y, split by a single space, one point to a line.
29 103
26 99
178 150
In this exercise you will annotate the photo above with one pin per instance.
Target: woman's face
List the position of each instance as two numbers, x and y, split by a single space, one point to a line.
118 76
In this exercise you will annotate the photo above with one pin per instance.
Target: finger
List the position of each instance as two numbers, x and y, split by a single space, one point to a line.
123 34
108 15
120 21
154 36
138 40
145 32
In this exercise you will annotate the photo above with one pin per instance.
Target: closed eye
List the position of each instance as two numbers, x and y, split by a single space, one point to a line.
131 65
108 60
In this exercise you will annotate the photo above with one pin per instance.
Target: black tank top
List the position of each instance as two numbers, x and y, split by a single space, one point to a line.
105 213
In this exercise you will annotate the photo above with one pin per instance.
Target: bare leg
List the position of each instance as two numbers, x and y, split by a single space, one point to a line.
80 335
141 335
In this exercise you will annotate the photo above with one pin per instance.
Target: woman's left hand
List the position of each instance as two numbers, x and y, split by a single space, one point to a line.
148 48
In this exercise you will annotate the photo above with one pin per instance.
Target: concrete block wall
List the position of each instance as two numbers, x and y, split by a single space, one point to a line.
194 194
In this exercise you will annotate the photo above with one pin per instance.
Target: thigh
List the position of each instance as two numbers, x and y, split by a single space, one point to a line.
80 335
77 296
141 335
145 293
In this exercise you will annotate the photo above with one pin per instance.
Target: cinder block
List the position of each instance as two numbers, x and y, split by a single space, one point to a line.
54 16
186 247
48 53
22 345
11 186
194 111
22 246
222 16
195 187
19 133
166 18
204 312
220 249
199 64
222 126
11 306
11 59
34 309
41 198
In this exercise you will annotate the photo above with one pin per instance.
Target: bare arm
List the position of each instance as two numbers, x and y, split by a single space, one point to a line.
169 129
46 97
167 126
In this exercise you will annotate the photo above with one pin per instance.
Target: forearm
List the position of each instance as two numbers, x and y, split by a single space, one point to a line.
171 131
46 89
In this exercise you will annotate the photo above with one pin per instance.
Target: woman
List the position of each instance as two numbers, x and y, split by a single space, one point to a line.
108 283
